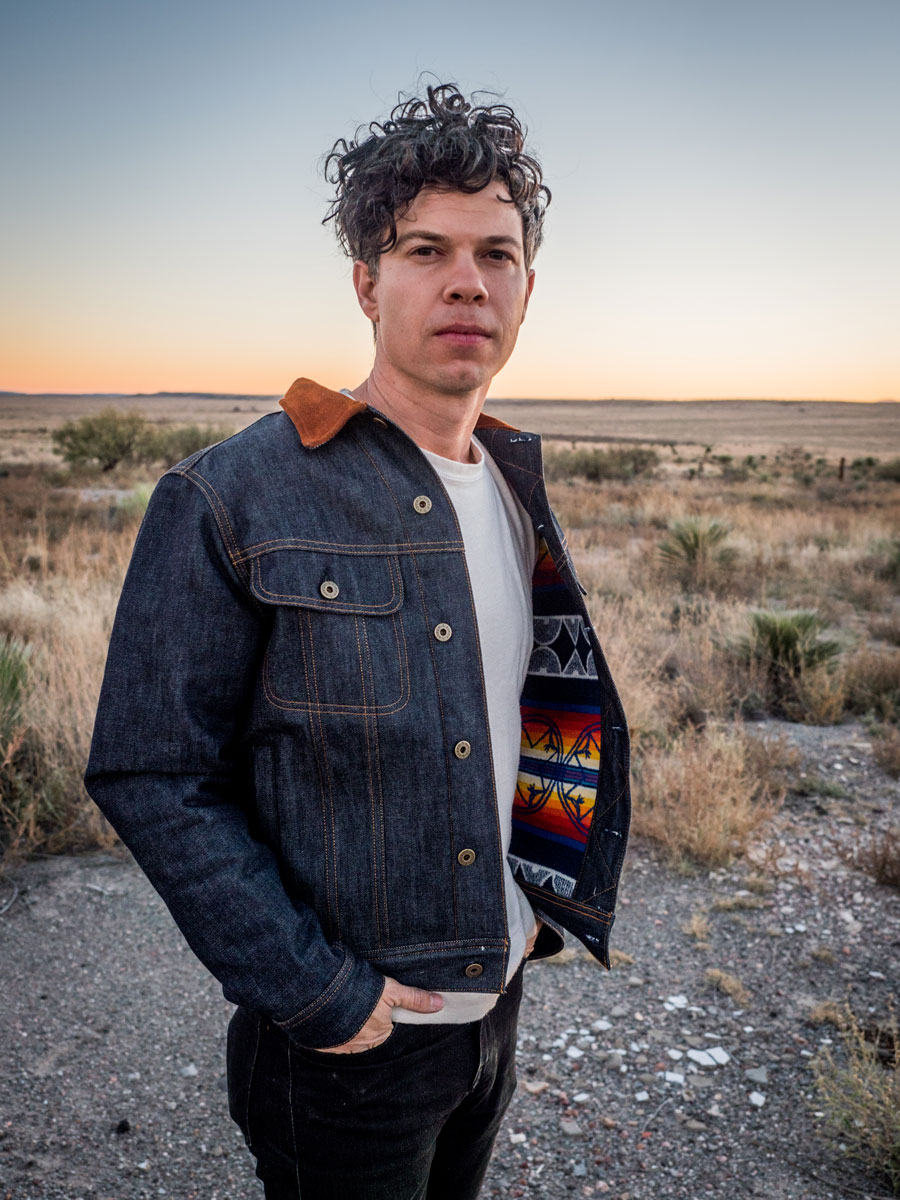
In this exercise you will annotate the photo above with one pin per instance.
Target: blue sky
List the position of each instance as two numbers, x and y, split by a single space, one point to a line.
725 179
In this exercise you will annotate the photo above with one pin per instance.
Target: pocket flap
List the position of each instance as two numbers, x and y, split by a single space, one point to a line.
370 585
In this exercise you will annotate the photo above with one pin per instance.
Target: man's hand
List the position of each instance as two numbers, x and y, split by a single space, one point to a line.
379 1026
529 945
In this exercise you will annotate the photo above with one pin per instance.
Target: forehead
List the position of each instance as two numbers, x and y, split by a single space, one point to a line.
441 210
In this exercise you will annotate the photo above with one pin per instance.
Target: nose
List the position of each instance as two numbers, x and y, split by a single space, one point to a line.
465 282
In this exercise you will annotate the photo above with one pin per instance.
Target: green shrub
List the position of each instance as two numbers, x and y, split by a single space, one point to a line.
889 470
694 549
108 437
111 437
134 505
171 445
789 648
617 463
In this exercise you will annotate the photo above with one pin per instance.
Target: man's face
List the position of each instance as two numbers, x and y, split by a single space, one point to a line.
450 296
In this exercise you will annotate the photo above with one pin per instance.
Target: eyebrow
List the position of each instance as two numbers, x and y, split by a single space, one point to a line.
494 239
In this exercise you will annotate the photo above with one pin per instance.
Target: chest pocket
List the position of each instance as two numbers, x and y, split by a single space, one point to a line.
337 643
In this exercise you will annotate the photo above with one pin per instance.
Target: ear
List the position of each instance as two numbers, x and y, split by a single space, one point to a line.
366 290
529 288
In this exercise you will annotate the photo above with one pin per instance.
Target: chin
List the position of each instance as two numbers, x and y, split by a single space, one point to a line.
462 381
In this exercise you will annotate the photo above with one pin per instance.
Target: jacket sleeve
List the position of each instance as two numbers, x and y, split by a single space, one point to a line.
165 770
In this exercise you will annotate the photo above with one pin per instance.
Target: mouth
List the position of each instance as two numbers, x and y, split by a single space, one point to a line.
464 335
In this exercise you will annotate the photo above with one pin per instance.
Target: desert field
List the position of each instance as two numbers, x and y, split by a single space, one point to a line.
745 587
834 428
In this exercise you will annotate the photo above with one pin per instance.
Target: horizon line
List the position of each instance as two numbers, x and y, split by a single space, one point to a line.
490 399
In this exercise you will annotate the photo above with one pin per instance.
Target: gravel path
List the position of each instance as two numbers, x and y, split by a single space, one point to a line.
641 1083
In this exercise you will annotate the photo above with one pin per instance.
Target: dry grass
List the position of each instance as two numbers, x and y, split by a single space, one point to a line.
729 985
697 797
701 787
826 1012
737 903
697 927
823 954
886 750
861 1092
873 683
63 563
878 854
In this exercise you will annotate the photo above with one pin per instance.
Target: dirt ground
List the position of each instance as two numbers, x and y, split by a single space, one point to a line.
829 428
639 1084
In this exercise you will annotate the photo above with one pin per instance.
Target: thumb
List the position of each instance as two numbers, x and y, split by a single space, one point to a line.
415 999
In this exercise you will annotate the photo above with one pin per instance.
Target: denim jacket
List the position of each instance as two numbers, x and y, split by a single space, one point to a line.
292 734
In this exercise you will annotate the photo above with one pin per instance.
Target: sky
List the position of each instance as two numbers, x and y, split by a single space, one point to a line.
725 178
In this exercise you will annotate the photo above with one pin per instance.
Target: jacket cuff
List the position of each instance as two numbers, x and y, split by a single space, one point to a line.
338 1014
550 939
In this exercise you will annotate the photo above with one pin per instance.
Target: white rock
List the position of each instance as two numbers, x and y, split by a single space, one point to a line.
601 1026
757 1099
641 1096
517 1138
676 1054
189 1070
581 1097
673 1077
677 1001
702 1058
574 1052
721 1056
853 926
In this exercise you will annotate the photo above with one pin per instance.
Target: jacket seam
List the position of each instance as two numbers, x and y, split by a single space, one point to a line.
351 549
550 898
384 609
315 1006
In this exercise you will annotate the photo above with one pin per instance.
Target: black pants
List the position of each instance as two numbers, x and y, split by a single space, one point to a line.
413 1119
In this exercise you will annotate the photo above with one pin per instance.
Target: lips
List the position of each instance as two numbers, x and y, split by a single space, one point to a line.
464 335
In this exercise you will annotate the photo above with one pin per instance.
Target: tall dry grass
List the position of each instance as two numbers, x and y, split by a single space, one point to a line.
61 567
796 539
698 796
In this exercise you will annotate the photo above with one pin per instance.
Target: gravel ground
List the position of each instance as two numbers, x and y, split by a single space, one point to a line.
637 1084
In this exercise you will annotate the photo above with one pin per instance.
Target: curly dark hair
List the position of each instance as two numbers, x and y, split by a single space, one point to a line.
443 140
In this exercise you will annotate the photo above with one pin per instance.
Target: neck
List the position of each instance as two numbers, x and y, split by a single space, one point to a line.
436 421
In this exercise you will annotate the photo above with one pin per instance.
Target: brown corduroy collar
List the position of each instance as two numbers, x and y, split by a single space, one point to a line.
318 413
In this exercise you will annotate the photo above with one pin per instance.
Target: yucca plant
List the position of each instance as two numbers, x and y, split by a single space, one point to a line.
790 647
694 549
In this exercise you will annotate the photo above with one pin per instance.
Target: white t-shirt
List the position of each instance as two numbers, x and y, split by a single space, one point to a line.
500 549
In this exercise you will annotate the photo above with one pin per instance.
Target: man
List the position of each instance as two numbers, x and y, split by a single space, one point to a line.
352 713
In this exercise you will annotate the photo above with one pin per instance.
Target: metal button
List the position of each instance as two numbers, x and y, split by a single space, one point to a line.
443 632
473 970
329 589
462 749
422 504
465 858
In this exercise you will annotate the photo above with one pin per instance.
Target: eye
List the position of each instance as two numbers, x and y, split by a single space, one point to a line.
424 251
500 255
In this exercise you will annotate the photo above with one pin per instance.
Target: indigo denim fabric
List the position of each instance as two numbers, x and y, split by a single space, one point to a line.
293 670
413 1119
